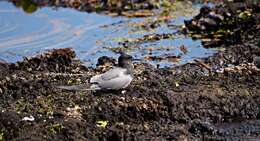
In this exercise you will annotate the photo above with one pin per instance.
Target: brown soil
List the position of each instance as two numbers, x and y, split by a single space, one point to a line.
215 98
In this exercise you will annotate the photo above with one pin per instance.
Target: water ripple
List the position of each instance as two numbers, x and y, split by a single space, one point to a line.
23 34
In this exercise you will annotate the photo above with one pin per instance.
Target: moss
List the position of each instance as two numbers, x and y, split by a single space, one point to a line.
22 105
55 128
2 135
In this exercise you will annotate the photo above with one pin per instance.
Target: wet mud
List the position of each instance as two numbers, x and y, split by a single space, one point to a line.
214 98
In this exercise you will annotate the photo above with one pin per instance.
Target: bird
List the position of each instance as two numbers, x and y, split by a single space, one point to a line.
118 77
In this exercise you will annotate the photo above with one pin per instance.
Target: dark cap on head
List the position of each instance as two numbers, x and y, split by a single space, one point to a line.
125 56
125 60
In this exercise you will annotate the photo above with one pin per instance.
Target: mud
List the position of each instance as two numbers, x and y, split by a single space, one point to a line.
136 8
214 98
224 23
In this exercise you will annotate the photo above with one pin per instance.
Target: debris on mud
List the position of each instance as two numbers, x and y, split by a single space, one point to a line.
55 61
137 8
150 38
213 98
170 58
128 8
224 23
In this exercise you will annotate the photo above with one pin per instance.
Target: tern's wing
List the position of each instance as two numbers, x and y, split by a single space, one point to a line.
116 83
114 79
111 74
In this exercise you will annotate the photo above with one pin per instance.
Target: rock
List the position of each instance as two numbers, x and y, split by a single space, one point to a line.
256 61
105 60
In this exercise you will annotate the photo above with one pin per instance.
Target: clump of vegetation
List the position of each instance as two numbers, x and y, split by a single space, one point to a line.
55 128
222 24
29 6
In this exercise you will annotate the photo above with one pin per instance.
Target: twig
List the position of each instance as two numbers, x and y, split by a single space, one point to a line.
208 67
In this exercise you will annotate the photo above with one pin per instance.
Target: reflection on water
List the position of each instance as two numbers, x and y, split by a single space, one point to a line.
89 34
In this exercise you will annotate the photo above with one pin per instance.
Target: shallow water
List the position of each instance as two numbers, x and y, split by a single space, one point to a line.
89 34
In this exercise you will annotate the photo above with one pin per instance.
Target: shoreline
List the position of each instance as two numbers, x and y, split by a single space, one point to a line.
214 98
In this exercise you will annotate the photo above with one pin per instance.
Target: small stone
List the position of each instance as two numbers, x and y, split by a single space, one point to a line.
256 61
104 60
14 76
78 80
7 78
123 92
31 118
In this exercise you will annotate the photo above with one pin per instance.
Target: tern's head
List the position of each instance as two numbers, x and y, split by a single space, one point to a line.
125 60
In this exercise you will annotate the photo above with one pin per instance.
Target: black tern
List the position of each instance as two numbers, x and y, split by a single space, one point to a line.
118 77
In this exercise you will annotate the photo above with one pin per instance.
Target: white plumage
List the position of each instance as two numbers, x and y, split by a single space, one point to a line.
115 78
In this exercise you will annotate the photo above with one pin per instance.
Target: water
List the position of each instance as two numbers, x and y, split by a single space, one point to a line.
89 34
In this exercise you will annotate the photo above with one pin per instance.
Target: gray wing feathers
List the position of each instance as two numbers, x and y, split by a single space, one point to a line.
116 83
112 79
111 74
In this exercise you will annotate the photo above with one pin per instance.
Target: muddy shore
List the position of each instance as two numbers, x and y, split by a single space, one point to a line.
214 98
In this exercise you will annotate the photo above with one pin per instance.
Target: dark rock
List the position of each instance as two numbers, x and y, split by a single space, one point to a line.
105 60
256 61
